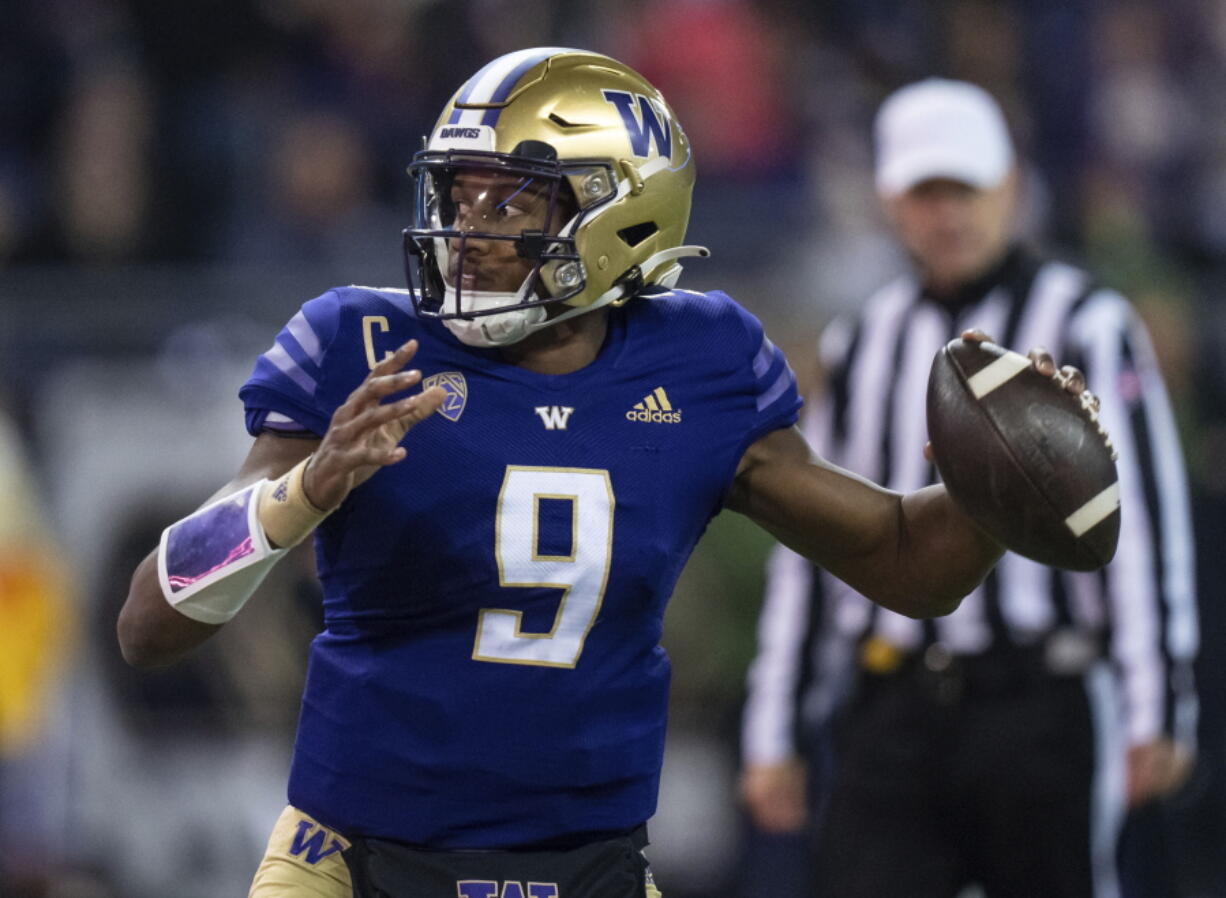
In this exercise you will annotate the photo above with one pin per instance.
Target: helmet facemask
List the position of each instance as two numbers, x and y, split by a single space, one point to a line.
573 124
469 202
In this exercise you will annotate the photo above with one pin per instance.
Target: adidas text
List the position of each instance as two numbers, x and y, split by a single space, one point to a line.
655 409
656 417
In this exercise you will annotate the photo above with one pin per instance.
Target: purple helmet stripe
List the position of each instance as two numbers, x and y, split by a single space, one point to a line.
503 90
467 91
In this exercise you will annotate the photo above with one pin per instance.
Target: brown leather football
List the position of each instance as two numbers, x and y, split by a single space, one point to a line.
1026 459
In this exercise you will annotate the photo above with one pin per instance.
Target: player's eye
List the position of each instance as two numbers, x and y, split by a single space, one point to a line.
519 201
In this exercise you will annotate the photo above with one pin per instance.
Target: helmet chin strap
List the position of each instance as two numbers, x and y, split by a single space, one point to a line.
514 325
501 329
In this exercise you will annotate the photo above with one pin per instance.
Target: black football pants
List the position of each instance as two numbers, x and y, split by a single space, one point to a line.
935 789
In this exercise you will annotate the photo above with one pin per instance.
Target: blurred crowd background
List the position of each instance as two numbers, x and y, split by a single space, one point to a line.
176 178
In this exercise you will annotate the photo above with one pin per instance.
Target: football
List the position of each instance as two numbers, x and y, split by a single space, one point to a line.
1023 457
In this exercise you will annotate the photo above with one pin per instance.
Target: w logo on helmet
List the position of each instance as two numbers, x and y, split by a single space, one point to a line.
651 125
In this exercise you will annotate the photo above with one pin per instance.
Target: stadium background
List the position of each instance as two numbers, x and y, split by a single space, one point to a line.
175 178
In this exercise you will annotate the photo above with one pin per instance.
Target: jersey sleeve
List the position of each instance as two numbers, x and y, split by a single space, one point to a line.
773 384
285 392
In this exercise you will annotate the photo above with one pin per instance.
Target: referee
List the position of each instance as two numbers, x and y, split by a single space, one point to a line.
1003 744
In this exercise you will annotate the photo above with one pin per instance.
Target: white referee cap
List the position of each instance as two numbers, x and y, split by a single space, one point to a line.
938 128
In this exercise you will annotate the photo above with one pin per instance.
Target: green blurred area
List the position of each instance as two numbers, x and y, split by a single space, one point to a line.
710 627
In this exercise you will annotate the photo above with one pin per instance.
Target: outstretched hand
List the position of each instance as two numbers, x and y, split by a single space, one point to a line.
1071 379
365 432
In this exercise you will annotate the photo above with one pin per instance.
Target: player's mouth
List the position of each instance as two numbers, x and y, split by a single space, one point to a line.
467 277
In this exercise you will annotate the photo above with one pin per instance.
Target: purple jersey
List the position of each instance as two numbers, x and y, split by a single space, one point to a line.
490 674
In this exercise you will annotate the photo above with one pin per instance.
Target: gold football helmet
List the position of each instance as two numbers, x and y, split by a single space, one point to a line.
589 135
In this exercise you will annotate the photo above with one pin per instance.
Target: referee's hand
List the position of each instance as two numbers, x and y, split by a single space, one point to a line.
1155 770
775 795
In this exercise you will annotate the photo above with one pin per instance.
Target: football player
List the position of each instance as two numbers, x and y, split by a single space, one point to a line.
505 468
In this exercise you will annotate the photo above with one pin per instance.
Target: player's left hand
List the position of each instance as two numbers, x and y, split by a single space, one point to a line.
365 432
1070 378
1155 770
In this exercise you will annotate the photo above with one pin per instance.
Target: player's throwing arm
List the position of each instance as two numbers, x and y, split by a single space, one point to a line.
208 564
917 554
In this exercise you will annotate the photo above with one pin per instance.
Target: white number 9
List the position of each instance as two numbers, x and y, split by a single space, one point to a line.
583 574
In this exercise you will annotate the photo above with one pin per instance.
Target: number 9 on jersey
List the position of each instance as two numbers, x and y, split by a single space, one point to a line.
583 572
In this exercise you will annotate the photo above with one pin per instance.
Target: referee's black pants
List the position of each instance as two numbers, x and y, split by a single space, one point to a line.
943 780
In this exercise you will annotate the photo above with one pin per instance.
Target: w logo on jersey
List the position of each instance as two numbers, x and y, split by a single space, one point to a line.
651 125
313 846
554 417
456 387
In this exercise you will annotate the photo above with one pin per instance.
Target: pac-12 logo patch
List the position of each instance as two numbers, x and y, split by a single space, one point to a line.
456 386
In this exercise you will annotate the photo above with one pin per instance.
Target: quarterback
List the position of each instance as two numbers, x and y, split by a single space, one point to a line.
505 468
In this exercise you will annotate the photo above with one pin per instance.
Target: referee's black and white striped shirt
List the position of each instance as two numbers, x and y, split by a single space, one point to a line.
871 420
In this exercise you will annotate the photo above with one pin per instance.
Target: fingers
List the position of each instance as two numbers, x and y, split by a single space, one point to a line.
410 412
395 361
1043 361
431 400
1074 380
380 382
1070 378
404 413
366 430
372 391
377 456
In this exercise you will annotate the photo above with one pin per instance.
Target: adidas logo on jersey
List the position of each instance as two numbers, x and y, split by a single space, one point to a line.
655 409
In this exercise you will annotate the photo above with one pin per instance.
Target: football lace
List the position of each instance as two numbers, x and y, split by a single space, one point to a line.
1089 405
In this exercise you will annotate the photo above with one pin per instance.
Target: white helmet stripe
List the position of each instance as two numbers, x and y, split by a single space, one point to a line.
487 84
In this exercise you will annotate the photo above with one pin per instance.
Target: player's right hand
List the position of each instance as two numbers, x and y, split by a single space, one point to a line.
365 432
1071 379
